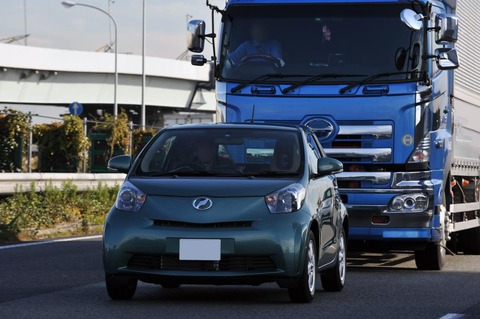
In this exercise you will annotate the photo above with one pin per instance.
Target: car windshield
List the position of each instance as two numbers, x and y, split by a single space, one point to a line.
350 42
223 152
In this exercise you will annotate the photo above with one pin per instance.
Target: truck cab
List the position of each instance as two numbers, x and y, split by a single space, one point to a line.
374 80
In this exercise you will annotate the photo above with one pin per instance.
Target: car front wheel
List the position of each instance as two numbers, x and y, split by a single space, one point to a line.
120 287
303 289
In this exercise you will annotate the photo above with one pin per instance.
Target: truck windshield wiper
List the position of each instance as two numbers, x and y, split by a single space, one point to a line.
372 78
316 78
262 78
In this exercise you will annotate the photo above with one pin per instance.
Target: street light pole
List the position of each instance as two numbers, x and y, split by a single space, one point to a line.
143 108
69 4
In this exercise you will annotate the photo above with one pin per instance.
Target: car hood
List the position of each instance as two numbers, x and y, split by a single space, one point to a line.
217 187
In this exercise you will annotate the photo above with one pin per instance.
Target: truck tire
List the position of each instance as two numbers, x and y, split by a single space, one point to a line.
431 258
303 289
334 279
470 241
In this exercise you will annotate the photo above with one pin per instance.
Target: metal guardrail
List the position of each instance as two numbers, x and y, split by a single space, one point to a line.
15 182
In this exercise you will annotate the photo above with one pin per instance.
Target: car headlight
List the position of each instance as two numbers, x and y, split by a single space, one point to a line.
408 203
286 200
130 198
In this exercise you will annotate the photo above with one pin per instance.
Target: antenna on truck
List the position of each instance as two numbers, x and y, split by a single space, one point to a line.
253 114
216 9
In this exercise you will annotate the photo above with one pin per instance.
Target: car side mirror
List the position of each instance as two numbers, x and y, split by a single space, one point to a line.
446 26
120 163
327 166
196 35
447 59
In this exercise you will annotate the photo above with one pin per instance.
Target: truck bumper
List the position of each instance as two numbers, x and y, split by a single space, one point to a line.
368 233
371 219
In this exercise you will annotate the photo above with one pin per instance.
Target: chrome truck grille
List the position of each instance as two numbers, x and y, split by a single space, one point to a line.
362 144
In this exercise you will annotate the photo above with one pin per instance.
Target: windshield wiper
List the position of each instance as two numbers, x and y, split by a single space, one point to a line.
316 78
271 173
372 78
262 78
193 173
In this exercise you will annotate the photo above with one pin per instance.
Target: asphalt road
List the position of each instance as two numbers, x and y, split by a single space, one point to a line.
65 280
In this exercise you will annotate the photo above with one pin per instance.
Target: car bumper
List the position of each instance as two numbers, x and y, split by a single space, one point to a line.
263 249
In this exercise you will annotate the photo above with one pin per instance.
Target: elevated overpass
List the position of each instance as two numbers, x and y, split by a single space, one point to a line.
33 75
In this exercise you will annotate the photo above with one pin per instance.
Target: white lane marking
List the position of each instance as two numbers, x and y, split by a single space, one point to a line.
50 242
452 316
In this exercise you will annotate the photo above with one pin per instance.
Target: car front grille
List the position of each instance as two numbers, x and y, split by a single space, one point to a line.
227 263
170 223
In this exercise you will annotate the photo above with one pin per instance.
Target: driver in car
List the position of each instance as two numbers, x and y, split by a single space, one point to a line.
259 48
207 157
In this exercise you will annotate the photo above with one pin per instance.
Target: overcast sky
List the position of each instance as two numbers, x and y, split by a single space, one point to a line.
51 25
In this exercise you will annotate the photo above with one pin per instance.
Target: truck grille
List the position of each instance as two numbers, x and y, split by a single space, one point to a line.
362 144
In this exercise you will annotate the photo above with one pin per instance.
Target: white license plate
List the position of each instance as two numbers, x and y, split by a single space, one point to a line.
200 249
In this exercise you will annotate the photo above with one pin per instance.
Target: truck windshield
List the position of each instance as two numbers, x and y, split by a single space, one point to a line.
302 41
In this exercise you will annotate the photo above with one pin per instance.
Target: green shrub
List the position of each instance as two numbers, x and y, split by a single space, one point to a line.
29 212
13 133
62 145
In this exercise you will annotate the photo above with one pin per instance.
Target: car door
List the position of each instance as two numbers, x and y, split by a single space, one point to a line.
325 206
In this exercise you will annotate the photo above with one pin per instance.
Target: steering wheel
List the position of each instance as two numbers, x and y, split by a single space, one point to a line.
188 167
266 57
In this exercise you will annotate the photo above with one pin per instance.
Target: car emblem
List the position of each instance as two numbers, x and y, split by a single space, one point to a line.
323 128
202 203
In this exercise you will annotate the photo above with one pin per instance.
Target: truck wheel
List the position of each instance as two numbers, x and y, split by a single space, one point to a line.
334 279
303 289
432 258
120 287
470 241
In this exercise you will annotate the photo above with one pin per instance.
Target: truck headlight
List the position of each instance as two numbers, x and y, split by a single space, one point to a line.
286 200
408 203
130 198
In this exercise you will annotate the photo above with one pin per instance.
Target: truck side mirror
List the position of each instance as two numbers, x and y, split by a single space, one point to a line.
447 59
412 19
196 35
198 60
446 26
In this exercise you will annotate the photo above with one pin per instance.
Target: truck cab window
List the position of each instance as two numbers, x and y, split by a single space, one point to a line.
306 40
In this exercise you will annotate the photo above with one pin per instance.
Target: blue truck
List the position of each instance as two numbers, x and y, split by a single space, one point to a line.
377 81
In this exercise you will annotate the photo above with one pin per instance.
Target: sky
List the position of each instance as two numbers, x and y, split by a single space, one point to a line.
51 25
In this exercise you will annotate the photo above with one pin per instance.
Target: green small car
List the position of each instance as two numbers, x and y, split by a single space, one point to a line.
227 204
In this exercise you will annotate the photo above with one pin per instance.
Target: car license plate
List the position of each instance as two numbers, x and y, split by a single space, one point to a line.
200 249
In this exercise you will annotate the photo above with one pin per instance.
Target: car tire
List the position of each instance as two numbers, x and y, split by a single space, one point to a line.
303 289
120 287
334 279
